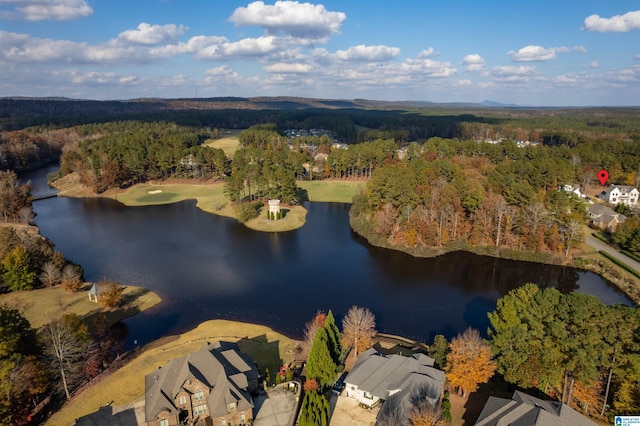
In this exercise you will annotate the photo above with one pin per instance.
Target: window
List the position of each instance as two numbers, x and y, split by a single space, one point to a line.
242 418
182 400
368 395
198 396
223 422
199 409
164 422
232 406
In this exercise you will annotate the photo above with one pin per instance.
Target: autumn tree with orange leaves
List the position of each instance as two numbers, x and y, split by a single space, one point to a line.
469 362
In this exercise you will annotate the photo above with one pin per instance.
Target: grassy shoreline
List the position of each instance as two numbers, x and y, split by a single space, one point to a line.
267 347
210 198
42 305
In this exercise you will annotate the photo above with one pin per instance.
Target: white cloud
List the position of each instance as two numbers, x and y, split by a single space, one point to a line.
618 23
566 80
473 62
40 10
532 54
303 20
426 53
462 83
637 57
538 53
152 34
368 53
513 74
592 64
283 68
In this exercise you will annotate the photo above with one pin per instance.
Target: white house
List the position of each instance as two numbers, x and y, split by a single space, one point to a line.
376 377
620 194
574 190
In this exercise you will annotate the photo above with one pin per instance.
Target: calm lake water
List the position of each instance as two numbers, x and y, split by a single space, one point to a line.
205 266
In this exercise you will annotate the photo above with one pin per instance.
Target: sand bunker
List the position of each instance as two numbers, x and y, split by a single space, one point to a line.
155 191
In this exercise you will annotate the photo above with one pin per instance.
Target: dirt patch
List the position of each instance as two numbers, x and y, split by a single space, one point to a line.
346 412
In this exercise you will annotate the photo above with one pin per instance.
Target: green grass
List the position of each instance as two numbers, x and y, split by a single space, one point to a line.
332 191
620 264
210 197
229 142
265 346
295 217
44 305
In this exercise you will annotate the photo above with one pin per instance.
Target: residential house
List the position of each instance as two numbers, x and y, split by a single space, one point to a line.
524 409
376 377
620 194
574 189
209 387
604 217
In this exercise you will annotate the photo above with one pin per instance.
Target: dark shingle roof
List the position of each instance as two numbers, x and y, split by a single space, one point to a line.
525 410
220 366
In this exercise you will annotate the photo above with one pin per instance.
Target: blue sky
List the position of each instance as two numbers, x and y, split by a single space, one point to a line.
545 52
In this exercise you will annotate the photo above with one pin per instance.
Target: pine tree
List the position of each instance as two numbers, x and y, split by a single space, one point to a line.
334 341
320 365
315 410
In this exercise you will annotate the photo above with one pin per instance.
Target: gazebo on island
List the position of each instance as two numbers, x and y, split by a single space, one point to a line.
274 212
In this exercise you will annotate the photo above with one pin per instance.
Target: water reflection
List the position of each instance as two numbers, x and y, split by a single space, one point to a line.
206 266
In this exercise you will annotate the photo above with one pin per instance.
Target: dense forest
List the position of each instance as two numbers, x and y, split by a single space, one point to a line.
570 346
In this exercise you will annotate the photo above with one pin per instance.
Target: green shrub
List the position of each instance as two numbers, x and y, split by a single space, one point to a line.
247 210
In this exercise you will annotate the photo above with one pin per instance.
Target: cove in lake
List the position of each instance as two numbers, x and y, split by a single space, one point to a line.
206 266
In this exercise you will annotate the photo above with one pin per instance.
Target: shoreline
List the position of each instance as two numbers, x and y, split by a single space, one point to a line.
214 202
209 198
622 280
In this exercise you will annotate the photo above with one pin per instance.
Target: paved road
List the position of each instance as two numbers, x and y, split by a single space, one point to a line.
600 246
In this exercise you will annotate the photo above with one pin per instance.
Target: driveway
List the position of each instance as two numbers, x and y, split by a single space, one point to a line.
277 408
346 412
600 246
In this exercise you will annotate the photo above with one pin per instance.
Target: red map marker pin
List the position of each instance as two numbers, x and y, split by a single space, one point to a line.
603 175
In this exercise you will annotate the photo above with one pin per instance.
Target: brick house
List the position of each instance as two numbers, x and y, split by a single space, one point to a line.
210 387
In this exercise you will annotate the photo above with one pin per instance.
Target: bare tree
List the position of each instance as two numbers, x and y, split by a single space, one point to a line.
358 328
535 214
66 341
50 274
26 213
71 278
572 234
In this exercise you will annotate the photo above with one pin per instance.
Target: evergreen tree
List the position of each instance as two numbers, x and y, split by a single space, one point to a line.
320 365
19 270
334 340
315 410
438 350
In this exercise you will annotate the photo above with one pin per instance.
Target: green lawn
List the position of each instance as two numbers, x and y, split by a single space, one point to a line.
229 142
44 305
333 191
265 346
210 197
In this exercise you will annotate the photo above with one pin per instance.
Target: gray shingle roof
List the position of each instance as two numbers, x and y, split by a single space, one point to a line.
379 375
220 366
525 410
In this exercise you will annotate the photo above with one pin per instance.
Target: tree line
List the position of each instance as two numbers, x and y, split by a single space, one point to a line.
437 198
